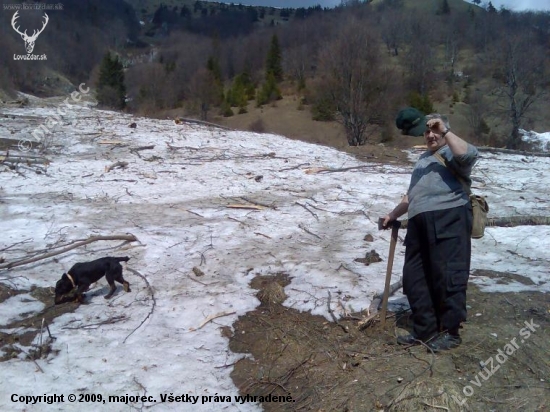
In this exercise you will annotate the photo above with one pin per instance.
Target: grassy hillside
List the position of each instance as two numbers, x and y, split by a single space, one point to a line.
187 55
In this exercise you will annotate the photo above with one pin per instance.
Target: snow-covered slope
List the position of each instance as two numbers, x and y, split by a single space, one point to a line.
303 217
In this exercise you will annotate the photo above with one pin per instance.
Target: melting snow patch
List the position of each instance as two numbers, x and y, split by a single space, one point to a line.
19 307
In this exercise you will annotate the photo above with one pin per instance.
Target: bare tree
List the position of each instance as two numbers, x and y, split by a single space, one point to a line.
477 114
355 79
296 63
301 41
453 37
519 69
203 92
147 82
393 29
420 56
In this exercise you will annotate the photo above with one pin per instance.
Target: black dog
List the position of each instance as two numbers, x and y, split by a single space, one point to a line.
83 274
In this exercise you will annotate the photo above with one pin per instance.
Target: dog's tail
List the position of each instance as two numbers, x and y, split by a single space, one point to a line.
122 259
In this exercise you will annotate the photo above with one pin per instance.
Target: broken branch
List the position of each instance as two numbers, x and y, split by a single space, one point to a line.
253 207
135 272
211 318
127 238
305 229
331 312
305 207
332 170
121 165
140 148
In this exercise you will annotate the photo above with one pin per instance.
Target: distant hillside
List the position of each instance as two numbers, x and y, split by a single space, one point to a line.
207 18
74 41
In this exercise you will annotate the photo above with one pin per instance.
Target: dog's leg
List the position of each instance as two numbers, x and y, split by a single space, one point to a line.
120 279
125 284
110 276
112 286
79 293
111 292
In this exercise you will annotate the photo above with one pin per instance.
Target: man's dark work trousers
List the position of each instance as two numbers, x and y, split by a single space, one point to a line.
436 270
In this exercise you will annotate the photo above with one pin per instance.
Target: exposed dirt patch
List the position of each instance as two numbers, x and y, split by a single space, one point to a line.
504 278
325 369
18 336
271 288
370 257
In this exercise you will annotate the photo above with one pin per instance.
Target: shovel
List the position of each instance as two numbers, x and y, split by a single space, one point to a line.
395 225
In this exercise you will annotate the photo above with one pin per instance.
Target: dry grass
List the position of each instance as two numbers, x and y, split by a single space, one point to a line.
290 119
324 368
273 292
430 392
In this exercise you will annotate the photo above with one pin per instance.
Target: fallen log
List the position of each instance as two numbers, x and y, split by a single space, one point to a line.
510 151
127 238
22 158
377 298
512 221
509 221
497 151
181 120
375 304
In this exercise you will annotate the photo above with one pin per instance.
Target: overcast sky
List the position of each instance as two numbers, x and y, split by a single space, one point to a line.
520 5
516 5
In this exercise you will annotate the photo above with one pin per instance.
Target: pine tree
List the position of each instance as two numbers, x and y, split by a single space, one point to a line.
274 60
213 67
269 91
111 91
242 90
273 75
445 9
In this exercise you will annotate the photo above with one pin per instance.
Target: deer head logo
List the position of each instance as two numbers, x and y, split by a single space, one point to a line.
29 40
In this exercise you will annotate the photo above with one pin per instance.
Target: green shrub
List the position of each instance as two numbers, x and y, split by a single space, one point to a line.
421 102
484 127
269 91
456 97
323 110
226 110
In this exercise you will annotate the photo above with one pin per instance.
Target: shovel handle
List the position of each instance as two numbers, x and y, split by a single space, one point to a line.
393 242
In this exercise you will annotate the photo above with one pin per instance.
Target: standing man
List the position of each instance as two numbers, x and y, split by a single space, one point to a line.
438 243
